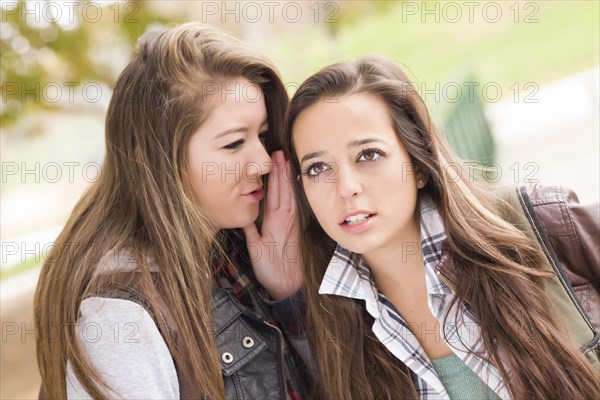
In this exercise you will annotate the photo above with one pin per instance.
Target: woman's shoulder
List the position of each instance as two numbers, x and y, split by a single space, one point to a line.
539 195
125 259
536 194
560 211
123 285
123 343
97 311
551 204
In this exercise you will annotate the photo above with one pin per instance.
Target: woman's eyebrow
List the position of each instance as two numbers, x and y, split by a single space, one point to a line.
231 130
312 155
361 142
240 128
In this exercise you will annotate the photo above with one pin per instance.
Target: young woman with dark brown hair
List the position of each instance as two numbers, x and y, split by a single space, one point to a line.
153 289
419 283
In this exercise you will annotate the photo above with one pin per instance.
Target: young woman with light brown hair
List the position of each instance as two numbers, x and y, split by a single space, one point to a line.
419 283
160 284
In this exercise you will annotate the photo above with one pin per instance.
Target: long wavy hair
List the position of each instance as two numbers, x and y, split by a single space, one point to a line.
497 266
143 204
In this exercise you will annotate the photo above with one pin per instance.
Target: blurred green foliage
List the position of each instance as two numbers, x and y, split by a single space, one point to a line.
534 41
41 43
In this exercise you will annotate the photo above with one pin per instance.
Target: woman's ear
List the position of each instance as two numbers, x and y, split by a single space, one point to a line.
421 180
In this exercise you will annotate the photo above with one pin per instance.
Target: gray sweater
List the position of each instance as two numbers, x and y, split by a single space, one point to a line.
121 340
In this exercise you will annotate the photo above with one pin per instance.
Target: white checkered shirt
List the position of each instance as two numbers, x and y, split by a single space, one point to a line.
349 275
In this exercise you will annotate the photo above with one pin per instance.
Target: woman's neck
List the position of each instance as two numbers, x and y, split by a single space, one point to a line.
398 259
399 273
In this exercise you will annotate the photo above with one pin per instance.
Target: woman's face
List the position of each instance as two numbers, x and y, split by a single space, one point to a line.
358 178
227 155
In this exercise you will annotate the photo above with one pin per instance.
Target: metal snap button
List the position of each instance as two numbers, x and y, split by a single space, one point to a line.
248 342
227 357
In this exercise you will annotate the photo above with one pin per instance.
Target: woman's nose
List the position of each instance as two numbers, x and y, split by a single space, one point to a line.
260 162
348 184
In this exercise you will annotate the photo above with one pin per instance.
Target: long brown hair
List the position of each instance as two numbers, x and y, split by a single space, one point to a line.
143 204
497 266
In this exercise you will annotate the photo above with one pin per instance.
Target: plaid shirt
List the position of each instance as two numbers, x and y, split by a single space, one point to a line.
239 277
349 275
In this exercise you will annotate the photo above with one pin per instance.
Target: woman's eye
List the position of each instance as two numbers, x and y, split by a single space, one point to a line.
316 169
370 155
234 145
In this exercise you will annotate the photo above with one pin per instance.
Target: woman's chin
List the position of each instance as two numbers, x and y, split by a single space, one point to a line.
241 221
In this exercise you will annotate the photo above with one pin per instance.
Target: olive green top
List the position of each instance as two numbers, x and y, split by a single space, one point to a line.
460 381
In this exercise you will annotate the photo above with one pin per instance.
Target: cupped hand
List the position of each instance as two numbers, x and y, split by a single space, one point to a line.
274 251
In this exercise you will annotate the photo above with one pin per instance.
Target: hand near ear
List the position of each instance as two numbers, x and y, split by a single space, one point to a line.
274 251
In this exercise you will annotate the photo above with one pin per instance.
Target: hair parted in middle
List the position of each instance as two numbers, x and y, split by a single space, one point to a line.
497 266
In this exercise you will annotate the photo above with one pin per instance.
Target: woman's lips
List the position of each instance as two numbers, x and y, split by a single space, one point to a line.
358 226
256 195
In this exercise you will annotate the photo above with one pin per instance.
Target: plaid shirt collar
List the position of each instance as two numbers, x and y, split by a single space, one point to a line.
349 275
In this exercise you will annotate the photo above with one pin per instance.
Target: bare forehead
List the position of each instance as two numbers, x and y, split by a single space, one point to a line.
351 121
349 113
233 106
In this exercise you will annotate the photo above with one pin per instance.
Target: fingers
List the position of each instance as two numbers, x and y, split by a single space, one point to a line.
286 199
252 234
280 186
273 191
